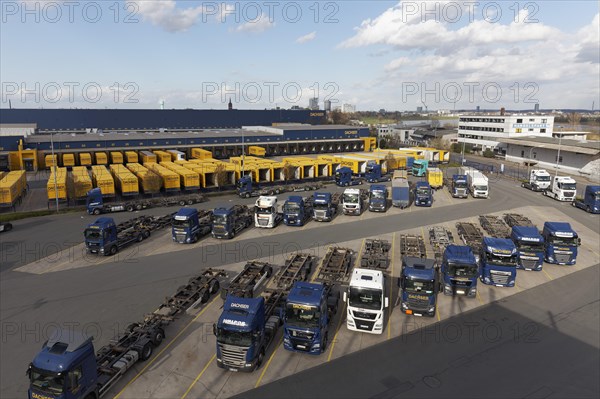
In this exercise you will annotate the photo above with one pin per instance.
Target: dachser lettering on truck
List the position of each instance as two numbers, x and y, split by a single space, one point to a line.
563 234
235 322
38 396
317 114
422 297
530 239
240 305
502 251
303 307
350 132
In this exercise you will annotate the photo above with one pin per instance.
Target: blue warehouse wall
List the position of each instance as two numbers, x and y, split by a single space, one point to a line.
10 143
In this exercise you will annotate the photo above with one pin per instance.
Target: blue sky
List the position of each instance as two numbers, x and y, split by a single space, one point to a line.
375 54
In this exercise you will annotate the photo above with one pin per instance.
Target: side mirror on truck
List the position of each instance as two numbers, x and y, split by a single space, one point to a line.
214 329
386 302
345 296
578 241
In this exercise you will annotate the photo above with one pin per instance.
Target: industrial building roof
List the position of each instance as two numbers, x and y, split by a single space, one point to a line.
588 147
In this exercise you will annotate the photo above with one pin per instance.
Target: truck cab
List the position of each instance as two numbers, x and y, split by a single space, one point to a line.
366 299
65 368
186 227
498 262
539 180
344 177
309 311
245 187
228 221
265 212
420 283
374 173
530 247
563 188
460 271
560 243
419 167
460 187
378 194
241 333
352 201
101 236
296 211
324 210
423 194
590 201
478 183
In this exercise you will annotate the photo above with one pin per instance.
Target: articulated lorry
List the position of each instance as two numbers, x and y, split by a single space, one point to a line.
353 201
477 181
250 319
423 194
246 188
400 189
95 204
590 201
563 188
419 283
105 237
419 167
67 367
344 177
498 262
560 243
266 213
539 180
297 211
228 221
458 186
190 224
460 271
309 312
378 194
530 247
325 206
374 173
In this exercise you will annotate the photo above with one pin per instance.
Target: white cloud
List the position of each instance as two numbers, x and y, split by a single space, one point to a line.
257 25
307 38
164 13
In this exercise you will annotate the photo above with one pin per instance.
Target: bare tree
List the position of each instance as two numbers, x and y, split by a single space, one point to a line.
153 182
220 175
439 143
574 119
390 160
338 117
289 171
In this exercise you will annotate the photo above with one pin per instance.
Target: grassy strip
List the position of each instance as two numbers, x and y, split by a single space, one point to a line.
9 217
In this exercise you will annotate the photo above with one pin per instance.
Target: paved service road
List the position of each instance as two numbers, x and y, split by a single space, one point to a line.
107 297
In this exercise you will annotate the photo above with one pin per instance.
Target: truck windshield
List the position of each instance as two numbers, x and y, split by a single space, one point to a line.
460 184
596 196
239 338
219 219
423 191
569 241
365 298
181 223
351 198
425 287
468 271
268 210
302 315
47 382
480 188
291 207
531 246
510 261
542 178
377 194
93 234
320 206
567 186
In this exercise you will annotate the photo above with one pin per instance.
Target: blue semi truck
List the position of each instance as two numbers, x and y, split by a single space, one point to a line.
420 283
309 312
498 262
459 186
378 194
590 201
460 271
423 194
297 211
560 243
374 173
325 206
344 177
228 221
190 224
530 247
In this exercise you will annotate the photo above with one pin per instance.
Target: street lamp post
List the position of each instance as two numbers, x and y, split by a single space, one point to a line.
558 155
54 162
243 153
529 162
462 161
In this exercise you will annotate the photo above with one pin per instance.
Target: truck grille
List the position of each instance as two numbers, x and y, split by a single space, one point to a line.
301 344
461 192
364 325
569 194
180 237
263 221
301 334
528 263
320 214
219 229
461 283
234 356
562 258
498 277
365 315
418 304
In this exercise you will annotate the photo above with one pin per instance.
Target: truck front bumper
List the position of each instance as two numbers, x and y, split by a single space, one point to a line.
302 347
246 368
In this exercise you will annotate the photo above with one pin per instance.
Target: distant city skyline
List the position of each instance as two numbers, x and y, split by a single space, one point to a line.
386 54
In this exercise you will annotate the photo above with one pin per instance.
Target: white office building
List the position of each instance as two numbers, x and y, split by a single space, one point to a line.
348 108
485 131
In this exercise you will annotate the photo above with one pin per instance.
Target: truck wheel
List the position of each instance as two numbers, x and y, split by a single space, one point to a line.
205 296
158 337
261 357
96 211
132 327
324 346
138 207
587 208
190 202
129 208
247 195
277 191
271 192
140 237
232 236
269 271
146 233
146 351
214 286
182 202
113 250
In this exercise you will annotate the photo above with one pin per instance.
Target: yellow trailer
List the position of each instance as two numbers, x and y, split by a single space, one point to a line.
169 178
131 157
201 153
85 159
190 180
68 160
50 160
57 184
13 186
101 158
126 182
116 157
435 178
148 157
149 181
81 183
162 156
256 150
103 180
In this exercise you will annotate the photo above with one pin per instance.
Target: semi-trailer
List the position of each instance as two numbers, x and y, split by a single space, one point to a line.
516 219
435 178
412 245
590 201
95 204
494 226
498 262
67 367
325 206
539 180
56 187
470 235
228 221
460 271
560 243
85 159
126 182
266 212
439 238
477 181
562 188
400 189
131 157
190 224
297 210
375 254
13 187
248 282
246 188
419 283
103 180
81 183
378 194
336 266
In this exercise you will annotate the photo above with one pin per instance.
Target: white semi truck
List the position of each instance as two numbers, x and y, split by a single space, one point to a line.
563 188
477 181
539 180
366 299
353 201
266 214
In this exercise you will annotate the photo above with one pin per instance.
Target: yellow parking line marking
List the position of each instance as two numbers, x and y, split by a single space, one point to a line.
316 273
547 275
437 312
357 261
479 298
336 332
212 359
151 361
268 363
591 250
389 324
